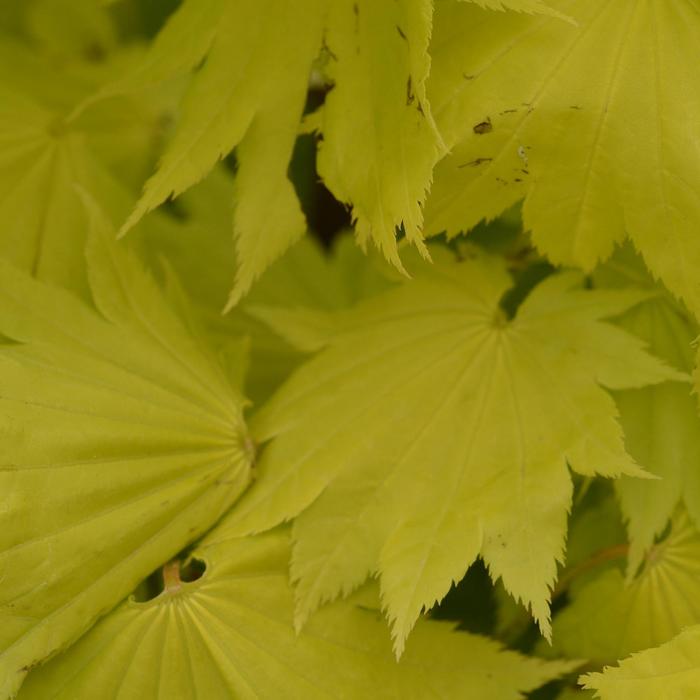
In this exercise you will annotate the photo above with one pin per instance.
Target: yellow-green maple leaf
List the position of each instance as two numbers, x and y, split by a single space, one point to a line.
230 635
661 423
198 247
432 429
669 672
249 95
609 619
594 124
122 442
45 158
41 164
379 140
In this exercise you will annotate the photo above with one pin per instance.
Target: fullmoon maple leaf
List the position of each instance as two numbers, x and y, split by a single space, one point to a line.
433 429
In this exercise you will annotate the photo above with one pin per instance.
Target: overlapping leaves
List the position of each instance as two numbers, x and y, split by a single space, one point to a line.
122 442
230 635
379 141
430 429
608 618
433 429
595 124
45 159
671 671
661 423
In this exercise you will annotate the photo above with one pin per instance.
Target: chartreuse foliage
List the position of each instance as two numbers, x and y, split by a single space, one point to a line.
405 373
584 120
432 414
380 142
230 634
661 423
608 620
671 671
123 441
250 94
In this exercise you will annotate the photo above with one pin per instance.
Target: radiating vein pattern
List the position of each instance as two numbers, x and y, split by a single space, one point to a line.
229 635
432 429
123 441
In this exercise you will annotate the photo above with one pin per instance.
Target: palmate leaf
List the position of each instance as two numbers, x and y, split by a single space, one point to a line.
433 429
122 442
595 124
608 619
379 141
670 671
43 218
661 423
198 247
230 635
249 94
45 160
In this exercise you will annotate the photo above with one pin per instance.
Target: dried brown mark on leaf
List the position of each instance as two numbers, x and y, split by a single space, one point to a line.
327 50
484 127
475 162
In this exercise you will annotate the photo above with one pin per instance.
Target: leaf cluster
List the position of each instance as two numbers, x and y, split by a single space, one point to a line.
447 448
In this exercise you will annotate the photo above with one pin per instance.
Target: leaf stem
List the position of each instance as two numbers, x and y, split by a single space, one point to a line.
171 576
617 551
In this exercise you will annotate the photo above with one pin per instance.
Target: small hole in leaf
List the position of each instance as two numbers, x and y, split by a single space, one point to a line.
171 576
192 570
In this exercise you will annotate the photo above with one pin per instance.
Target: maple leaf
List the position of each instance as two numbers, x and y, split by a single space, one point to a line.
305 276
594 124
670 671
250 93
40 167
379 139
123 441
432 429
45 159
661 423
608 619
229 634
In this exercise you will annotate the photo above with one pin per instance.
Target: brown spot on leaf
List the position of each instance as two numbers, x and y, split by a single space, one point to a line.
483 127
475 162
409 91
